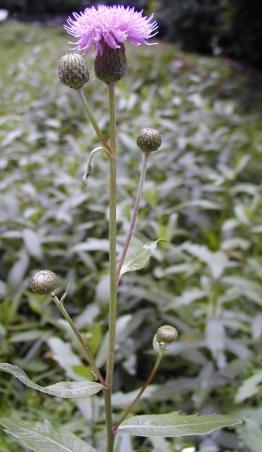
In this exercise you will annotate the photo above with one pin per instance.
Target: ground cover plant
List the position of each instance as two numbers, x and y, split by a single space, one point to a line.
203 197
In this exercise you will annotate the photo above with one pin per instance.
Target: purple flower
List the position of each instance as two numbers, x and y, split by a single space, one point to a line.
111 26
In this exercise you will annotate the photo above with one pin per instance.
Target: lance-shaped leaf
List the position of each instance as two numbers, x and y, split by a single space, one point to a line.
139 259
249 387
65 389
251 434
41 437
176 424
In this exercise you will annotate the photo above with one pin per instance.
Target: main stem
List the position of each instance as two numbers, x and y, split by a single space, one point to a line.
112 265
134 215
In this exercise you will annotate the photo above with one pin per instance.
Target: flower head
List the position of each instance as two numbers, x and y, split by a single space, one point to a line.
43 282
149 140
110 26
73 70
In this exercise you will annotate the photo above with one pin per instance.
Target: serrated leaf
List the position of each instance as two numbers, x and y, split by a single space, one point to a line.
249 387
65 389
41 437
175 424
140 259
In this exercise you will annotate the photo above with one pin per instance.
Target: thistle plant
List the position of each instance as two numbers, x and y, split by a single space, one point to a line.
107 29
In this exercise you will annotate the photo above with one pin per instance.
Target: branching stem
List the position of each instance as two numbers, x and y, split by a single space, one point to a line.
86 352
133 216
91 156
140 393
92 119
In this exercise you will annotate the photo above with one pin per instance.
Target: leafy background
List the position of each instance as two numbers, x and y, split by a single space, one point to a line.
231 27
203 195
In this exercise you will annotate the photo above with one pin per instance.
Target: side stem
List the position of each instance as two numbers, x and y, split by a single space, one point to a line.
86 352
112 266
134 215
92 119
142 390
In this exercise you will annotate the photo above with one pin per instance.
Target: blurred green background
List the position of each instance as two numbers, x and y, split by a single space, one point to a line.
202 194
232 27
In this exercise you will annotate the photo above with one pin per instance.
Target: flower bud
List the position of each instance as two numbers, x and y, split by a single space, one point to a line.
166 334
111 64
44 282
149 140
73 70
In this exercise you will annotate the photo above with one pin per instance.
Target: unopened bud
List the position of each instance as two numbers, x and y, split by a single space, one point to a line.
73 70
111 64
149 140
44 282
166 334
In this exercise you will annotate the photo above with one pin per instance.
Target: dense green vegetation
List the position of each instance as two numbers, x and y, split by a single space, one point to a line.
203 195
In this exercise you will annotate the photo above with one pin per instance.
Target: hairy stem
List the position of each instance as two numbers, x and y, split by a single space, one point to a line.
133 216
92 119
86 352
140 393
112 265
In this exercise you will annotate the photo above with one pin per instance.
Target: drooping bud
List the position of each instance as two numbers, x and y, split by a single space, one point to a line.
149 140
73 70
111 64
166 334
43 282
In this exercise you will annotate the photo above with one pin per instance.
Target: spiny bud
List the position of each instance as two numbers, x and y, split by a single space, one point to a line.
44 282
166 334
149 140
111 64
73 70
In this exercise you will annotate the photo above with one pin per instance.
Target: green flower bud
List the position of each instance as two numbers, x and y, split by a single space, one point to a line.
149 140
166 334
73 70
111 64
43 282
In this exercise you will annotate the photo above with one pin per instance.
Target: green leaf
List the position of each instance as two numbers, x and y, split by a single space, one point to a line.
176 424
65 389
249 387
139 259
33 243
251 435
217 262
41 437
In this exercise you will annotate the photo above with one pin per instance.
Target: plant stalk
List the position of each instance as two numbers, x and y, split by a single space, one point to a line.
112 266
142 390
86 352
92 119
133 216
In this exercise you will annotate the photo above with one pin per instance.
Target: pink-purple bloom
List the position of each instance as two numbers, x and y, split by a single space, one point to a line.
111 26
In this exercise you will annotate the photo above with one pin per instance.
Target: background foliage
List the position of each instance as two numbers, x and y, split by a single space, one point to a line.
203 194
206 26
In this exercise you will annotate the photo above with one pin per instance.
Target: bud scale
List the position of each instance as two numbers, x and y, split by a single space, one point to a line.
111 64
43 282
149 140
73 70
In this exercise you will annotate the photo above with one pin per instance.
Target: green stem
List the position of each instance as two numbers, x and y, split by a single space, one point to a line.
133 216
112 265
142 390
86 352
92 119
